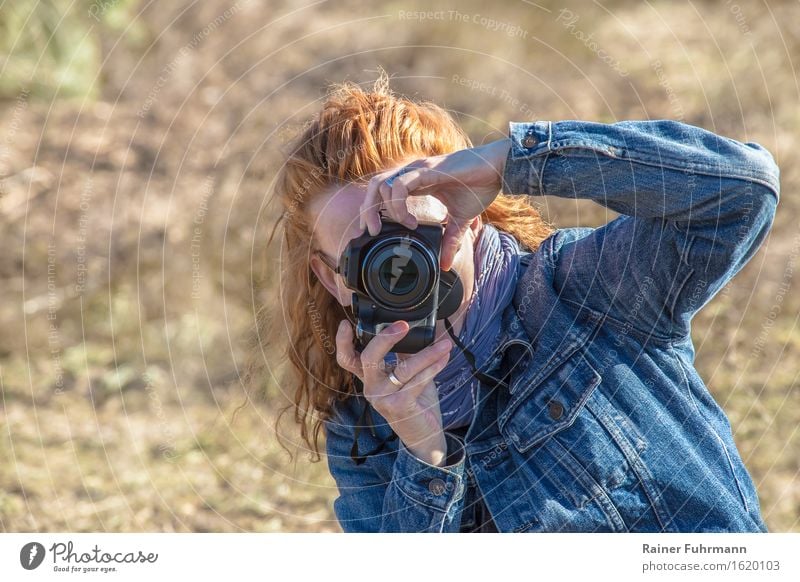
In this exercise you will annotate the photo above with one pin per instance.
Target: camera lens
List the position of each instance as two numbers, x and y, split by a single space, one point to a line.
398 275
399 272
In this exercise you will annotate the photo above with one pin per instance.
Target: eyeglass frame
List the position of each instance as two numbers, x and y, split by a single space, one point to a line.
328 260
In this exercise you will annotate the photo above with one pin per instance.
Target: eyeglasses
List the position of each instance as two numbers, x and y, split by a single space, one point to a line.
328 260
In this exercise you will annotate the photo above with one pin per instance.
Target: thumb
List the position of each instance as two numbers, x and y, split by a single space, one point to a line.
451 242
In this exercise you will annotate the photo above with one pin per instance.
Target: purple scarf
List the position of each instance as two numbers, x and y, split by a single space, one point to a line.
496 260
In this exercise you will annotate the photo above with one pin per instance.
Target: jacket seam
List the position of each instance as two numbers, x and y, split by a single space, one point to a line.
549 151
687 250
445 516
595 492
634 460
677 296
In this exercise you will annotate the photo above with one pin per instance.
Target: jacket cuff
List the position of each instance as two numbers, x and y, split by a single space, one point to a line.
436 487
530 144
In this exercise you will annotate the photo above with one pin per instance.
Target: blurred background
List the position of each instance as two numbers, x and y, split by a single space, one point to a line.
138 140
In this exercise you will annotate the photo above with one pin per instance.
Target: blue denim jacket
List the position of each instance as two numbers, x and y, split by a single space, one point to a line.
606 424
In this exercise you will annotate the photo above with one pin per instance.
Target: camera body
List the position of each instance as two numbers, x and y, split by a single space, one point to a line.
395 276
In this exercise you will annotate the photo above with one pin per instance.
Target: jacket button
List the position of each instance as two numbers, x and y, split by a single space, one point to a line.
529 141
556 409
437 486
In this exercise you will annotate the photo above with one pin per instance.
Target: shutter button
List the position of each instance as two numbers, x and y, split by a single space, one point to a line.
529 141
556 409
437 486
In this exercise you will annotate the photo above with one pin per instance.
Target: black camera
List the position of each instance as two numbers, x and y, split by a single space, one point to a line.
396 276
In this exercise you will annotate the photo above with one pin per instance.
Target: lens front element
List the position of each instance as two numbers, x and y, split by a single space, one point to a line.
399 272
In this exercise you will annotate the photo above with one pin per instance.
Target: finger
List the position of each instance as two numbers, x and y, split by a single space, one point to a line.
421 178
411 366
369 216
451 241
414 387
414 182
373 355
346 355
397 204
385 197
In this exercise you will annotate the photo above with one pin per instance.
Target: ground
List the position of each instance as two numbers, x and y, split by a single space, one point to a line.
136 156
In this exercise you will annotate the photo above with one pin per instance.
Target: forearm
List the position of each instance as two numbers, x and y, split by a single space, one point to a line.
647 169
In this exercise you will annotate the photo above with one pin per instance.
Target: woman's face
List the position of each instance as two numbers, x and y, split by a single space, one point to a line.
335 218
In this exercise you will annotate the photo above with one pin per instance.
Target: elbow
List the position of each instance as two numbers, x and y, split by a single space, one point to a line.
754 194
768 199
763 170
765 190
756 217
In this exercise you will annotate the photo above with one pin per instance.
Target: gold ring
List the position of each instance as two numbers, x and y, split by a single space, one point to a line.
393 379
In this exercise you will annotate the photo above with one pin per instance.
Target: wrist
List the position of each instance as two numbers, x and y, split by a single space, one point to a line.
432 451
499 154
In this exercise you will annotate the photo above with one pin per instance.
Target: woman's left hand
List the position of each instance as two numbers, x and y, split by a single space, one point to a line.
466 182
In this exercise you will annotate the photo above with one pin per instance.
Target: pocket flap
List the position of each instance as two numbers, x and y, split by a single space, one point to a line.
551 405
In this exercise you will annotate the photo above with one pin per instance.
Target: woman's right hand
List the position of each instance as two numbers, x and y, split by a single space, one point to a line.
412 410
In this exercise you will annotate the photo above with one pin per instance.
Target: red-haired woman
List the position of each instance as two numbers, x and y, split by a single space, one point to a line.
562 395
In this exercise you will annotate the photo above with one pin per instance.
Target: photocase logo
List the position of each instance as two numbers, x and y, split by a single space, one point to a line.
31 555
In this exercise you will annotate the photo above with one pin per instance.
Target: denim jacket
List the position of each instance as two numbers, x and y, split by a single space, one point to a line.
605 424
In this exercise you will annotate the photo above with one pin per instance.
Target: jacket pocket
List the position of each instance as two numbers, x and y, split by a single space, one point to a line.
551 405
568 432
564 456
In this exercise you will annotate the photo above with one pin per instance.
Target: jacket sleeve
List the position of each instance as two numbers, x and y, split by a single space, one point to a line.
417 497
694 206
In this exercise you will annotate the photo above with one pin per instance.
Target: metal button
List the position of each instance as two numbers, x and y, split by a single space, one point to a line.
556 409
437 486
529 141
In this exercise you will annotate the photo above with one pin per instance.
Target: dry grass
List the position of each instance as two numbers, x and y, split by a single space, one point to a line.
121 417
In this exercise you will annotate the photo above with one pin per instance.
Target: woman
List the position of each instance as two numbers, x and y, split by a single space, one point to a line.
564 396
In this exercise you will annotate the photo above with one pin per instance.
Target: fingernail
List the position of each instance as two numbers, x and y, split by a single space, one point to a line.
444 346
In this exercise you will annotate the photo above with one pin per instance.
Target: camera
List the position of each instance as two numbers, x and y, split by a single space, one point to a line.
395 275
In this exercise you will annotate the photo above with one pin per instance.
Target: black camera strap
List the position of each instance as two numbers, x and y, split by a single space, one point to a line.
487 379
365 418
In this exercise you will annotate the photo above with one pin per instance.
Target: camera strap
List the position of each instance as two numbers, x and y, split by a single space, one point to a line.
487 379
365 418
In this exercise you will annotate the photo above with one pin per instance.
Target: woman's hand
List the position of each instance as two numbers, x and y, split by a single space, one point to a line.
466 181
412 409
